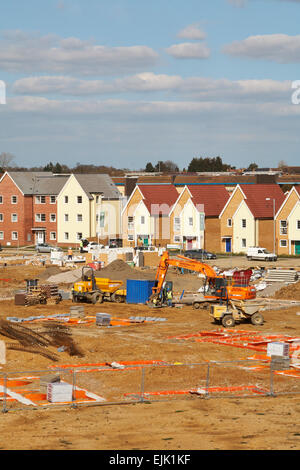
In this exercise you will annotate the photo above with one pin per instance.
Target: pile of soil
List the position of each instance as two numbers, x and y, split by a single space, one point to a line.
119 270
290 292
49 271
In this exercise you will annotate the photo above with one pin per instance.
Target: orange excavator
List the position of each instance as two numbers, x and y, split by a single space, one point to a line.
215 287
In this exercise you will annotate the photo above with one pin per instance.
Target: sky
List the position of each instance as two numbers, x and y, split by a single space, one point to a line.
126 82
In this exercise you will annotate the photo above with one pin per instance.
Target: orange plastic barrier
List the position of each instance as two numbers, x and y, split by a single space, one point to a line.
241 339
244 388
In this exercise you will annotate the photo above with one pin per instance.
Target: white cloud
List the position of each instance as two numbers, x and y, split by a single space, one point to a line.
191 32
189 50
142 82
200 88
29 53
279 48
139 109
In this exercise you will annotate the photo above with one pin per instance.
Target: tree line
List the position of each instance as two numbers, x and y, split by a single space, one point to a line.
197 164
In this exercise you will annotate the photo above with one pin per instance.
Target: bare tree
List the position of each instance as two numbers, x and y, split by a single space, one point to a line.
6 159
282 164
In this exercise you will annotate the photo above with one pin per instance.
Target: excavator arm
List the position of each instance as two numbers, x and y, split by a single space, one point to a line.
234 291
183 262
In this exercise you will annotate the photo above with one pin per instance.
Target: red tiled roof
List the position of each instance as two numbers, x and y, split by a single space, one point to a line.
212 197
159 198
256 196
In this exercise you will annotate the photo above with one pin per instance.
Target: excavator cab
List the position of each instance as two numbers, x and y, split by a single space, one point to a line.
215 287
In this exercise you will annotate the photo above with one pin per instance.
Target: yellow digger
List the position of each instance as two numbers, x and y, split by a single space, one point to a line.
235 311
93 289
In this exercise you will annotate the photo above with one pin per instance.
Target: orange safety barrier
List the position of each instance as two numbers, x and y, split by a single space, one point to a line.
11 383
247 388
103 364
288 373
36 397
240 338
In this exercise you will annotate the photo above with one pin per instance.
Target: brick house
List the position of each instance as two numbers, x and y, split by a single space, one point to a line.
248 217
287 223
28 207
145 217
194 219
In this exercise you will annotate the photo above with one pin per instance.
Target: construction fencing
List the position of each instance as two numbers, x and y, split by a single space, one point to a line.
151 381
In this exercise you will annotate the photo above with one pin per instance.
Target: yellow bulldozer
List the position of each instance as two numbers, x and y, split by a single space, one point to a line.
93 289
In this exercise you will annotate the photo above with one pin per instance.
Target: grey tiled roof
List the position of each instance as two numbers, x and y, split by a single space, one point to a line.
43 183
98 184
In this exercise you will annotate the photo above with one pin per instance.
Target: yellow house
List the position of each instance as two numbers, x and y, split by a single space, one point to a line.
248 217
145 217
194 219
288 224
88 206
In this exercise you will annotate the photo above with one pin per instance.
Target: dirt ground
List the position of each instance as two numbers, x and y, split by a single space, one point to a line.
188 422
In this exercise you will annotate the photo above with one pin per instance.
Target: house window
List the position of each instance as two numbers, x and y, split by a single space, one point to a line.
1 199
97 199
66 199
40 199
14 217
40 217
244 242
52 235
66 235
14 235
177 223
79 235
130 238
1 218
14 199
298 224
1 235
130 222
79 217
102 217
283 243
79 199
177 238
66 217
191 221
283 227
52 217
229 222
244 223
52 199
142 219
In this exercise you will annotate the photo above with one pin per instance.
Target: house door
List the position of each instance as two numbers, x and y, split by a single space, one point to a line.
297 247
40 237
189 243
228 245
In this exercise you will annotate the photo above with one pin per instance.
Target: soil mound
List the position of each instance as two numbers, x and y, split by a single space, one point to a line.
121 271
291 292
49 271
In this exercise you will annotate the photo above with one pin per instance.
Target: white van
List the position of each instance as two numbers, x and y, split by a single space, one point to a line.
259 253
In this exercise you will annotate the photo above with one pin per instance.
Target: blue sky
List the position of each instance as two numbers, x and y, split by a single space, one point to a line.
125 82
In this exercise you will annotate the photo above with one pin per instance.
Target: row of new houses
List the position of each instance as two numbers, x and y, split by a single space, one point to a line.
210 217
62 209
